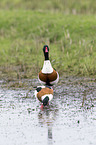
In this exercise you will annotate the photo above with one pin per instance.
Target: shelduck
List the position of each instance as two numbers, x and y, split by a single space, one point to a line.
44 94
48 75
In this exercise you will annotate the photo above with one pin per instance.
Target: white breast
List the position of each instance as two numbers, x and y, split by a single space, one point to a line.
47 67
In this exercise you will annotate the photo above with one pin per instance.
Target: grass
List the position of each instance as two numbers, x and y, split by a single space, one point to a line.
73 7
71 39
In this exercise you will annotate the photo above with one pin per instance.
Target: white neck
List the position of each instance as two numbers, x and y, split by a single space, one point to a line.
49 95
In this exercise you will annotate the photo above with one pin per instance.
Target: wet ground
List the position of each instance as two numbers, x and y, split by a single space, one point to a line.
70 119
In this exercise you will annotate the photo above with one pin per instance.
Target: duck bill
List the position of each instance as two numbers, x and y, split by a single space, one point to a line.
46 50
42 107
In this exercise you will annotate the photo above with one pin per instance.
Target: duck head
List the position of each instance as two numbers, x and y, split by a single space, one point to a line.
45 101
46 52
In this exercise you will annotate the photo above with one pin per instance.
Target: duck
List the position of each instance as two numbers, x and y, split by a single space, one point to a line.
48 75
44 94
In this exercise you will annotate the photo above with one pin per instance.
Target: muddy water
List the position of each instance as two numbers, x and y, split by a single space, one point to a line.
70 119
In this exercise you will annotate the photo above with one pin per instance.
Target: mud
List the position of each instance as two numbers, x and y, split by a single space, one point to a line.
70 118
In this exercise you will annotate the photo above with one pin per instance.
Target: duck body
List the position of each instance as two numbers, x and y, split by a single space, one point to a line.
48 75
44 94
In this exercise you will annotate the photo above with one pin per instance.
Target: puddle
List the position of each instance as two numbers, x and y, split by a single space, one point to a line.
70 119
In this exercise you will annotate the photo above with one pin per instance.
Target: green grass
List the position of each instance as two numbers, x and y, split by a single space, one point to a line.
71 38
66 6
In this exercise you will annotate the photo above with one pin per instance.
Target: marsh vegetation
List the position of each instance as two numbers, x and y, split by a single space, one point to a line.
67 27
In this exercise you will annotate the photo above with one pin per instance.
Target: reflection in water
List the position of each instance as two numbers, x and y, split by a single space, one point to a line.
47 117
50 137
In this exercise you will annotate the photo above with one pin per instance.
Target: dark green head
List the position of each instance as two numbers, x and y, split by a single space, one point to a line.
45 101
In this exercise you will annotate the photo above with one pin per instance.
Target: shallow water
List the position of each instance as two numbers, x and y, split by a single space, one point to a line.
69 120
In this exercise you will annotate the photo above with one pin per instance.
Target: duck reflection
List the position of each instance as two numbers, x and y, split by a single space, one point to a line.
47 117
